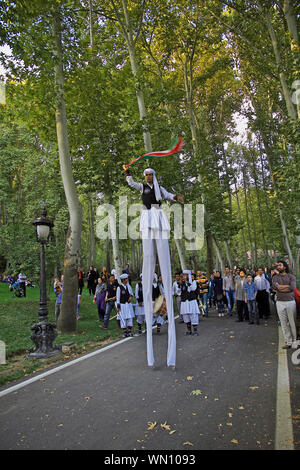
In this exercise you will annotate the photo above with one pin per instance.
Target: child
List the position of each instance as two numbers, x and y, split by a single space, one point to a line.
139 309
124 307
250 296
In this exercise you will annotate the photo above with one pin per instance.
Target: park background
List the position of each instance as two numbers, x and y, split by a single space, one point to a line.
92 85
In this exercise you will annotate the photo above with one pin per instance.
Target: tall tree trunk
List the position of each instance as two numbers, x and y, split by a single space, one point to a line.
282 78
260 209
128 35
241 224
219 255
209 251
67 322
91 228
252 248
181 253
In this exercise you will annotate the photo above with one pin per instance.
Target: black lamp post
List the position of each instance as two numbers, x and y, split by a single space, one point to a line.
43 332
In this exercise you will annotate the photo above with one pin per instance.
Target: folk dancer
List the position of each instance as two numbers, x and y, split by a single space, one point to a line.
124 306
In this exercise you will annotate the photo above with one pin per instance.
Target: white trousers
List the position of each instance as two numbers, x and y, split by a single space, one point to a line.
287 316
155 241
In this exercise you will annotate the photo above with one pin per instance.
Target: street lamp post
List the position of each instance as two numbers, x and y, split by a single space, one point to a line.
43 332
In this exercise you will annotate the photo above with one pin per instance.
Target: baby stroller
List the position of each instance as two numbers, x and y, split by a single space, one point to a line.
18 292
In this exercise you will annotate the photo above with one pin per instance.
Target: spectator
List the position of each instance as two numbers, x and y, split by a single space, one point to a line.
110 299
284 285
218 292
203 284
229 289
99 298
177 293
58 290
80 281
105 274
91 278
262 296
241 305
128 272
250 296
22 282
210 296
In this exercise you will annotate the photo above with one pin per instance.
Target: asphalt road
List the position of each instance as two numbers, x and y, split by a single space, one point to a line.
222 395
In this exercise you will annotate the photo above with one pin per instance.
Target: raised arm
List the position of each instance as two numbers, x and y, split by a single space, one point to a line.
129 179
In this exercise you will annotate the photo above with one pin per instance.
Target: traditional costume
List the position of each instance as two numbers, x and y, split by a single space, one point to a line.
156 292
124 294
155 228
189 306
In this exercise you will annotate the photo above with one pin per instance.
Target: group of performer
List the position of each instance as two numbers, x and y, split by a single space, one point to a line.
186 290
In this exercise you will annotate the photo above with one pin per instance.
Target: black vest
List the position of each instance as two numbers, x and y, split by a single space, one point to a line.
112 289
140 292
124 295
192 295
184 291
148 197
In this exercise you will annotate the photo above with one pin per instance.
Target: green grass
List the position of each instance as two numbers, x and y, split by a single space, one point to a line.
17 315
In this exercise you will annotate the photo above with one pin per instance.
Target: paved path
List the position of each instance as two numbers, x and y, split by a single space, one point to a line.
222 395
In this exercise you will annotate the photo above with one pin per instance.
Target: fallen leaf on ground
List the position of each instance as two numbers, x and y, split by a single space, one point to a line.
253 388
196 392
234 441
188 443
165 426
172 432
190 377
151 425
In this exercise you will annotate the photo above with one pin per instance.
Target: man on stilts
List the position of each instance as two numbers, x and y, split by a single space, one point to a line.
155 229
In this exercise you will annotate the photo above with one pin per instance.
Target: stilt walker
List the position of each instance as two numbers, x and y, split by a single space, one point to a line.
155 229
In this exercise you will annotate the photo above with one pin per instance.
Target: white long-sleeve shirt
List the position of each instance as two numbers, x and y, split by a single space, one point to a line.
154 218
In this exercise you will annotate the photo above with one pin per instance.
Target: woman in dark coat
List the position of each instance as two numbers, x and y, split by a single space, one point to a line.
218 292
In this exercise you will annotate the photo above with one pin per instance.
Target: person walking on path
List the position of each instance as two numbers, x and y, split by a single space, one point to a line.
218 293
229 289
241 305
91 280
110 299
155 229
284 284
99 298
203 285
250 296
58 290
262 297
177 292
